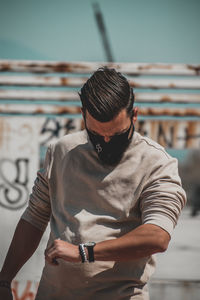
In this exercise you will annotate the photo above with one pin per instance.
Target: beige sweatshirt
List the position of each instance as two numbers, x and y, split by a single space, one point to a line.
87 201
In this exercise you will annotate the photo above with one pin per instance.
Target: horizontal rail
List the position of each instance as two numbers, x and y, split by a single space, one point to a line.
38 95
163 97
88 67
165 83
79 81
38 109
176 112
59 110
42 81
73 96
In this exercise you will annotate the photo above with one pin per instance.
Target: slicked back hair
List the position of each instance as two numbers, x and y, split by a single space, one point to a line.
105 94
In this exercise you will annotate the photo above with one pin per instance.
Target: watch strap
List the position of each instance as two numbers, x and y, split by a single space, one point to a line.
90 249
82 253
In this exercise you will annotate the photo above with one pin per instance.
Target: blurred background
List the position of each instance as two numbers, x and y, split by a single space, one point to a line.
129 31
138 31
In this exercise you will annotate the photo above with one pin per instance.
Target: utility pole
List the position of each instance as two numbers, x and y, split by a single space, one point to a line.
102 31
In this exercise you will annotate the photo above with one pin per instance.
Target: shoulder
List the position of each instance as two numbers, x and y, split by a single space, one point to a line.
154 161
69 142
149 147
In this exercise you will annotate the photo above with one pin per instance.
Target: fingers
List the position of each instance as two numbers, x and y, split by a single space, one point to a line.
51 255
62 250
52 261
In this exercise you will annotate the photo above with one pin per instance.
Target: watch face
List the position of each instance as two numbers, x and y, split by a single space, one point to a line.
90 244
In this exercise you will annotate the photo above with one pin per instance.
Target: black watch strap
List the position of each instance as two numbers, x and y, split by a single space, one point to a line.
90 248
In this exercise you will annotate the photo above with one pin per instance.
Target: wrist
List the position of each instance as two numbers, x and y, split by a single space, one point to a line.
86 252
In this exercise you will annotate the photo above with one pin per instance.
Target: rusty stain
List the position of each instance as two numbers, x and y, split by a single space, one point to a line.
165 98
5 67
196 69
63 67
64 81
31 65
39 111
68 110
135 85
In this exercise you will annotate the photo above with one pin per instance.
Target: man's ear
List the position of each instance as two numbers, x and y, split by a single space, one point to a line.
135 113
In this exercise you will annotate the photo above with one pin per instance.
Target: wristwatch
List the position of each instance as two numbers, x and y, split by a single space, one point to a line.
90 248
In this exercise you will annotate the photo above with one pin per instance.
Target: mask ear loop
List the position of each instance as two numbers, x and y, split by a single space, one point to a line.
132 127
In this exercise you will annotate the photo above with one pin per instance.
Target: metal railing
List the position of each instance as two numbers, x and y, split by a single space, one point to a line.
168 95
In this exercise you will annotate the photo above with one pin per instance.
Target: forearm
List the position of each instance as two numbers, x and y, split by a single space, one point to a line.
24 243
143 241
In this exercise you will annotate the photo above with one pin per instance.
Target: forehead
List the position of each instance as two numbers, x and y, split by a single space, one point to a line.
119 123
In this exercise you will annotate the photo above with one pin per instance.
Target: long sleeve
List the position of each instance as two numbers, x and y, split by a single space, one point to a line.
39 209
163 197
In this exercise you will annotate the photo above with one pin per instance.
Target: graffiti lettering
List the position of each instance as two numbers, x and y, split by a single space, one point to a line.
13 183
171 134
55 129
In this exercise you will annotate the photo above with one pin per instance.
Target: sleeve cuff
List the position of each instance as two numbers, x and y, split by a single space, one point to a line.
161 221
27 217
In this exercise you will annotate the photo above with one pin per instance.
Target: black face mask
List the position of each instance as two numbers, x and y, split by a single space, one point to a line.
110 153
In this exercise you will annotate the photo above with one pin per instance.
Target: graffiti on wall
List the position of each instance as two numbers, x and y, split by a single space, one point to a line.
14 176
18 161
171 134
21 141
54 128
25 291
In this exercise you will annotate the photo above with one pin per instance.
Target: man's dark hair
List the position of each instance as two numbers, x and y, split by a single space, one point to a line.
105 94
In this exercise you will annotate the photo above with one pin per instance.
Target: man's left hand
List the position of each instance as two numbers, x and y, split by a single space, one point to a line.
62 250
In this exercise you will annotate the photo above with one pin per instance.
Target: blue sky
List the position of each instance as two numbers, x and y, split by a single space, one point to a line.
138 30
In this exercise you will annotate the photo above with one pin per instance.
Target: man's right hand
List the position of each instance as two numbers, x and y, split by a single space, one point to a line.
5 294
24 243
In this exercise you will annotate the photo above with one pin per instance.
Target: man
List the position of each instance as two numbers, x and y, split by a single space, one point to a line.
106 185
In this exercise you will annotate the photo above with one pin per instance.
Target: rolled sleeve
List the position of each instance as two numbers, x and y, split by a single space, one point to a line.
39 209
163 197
